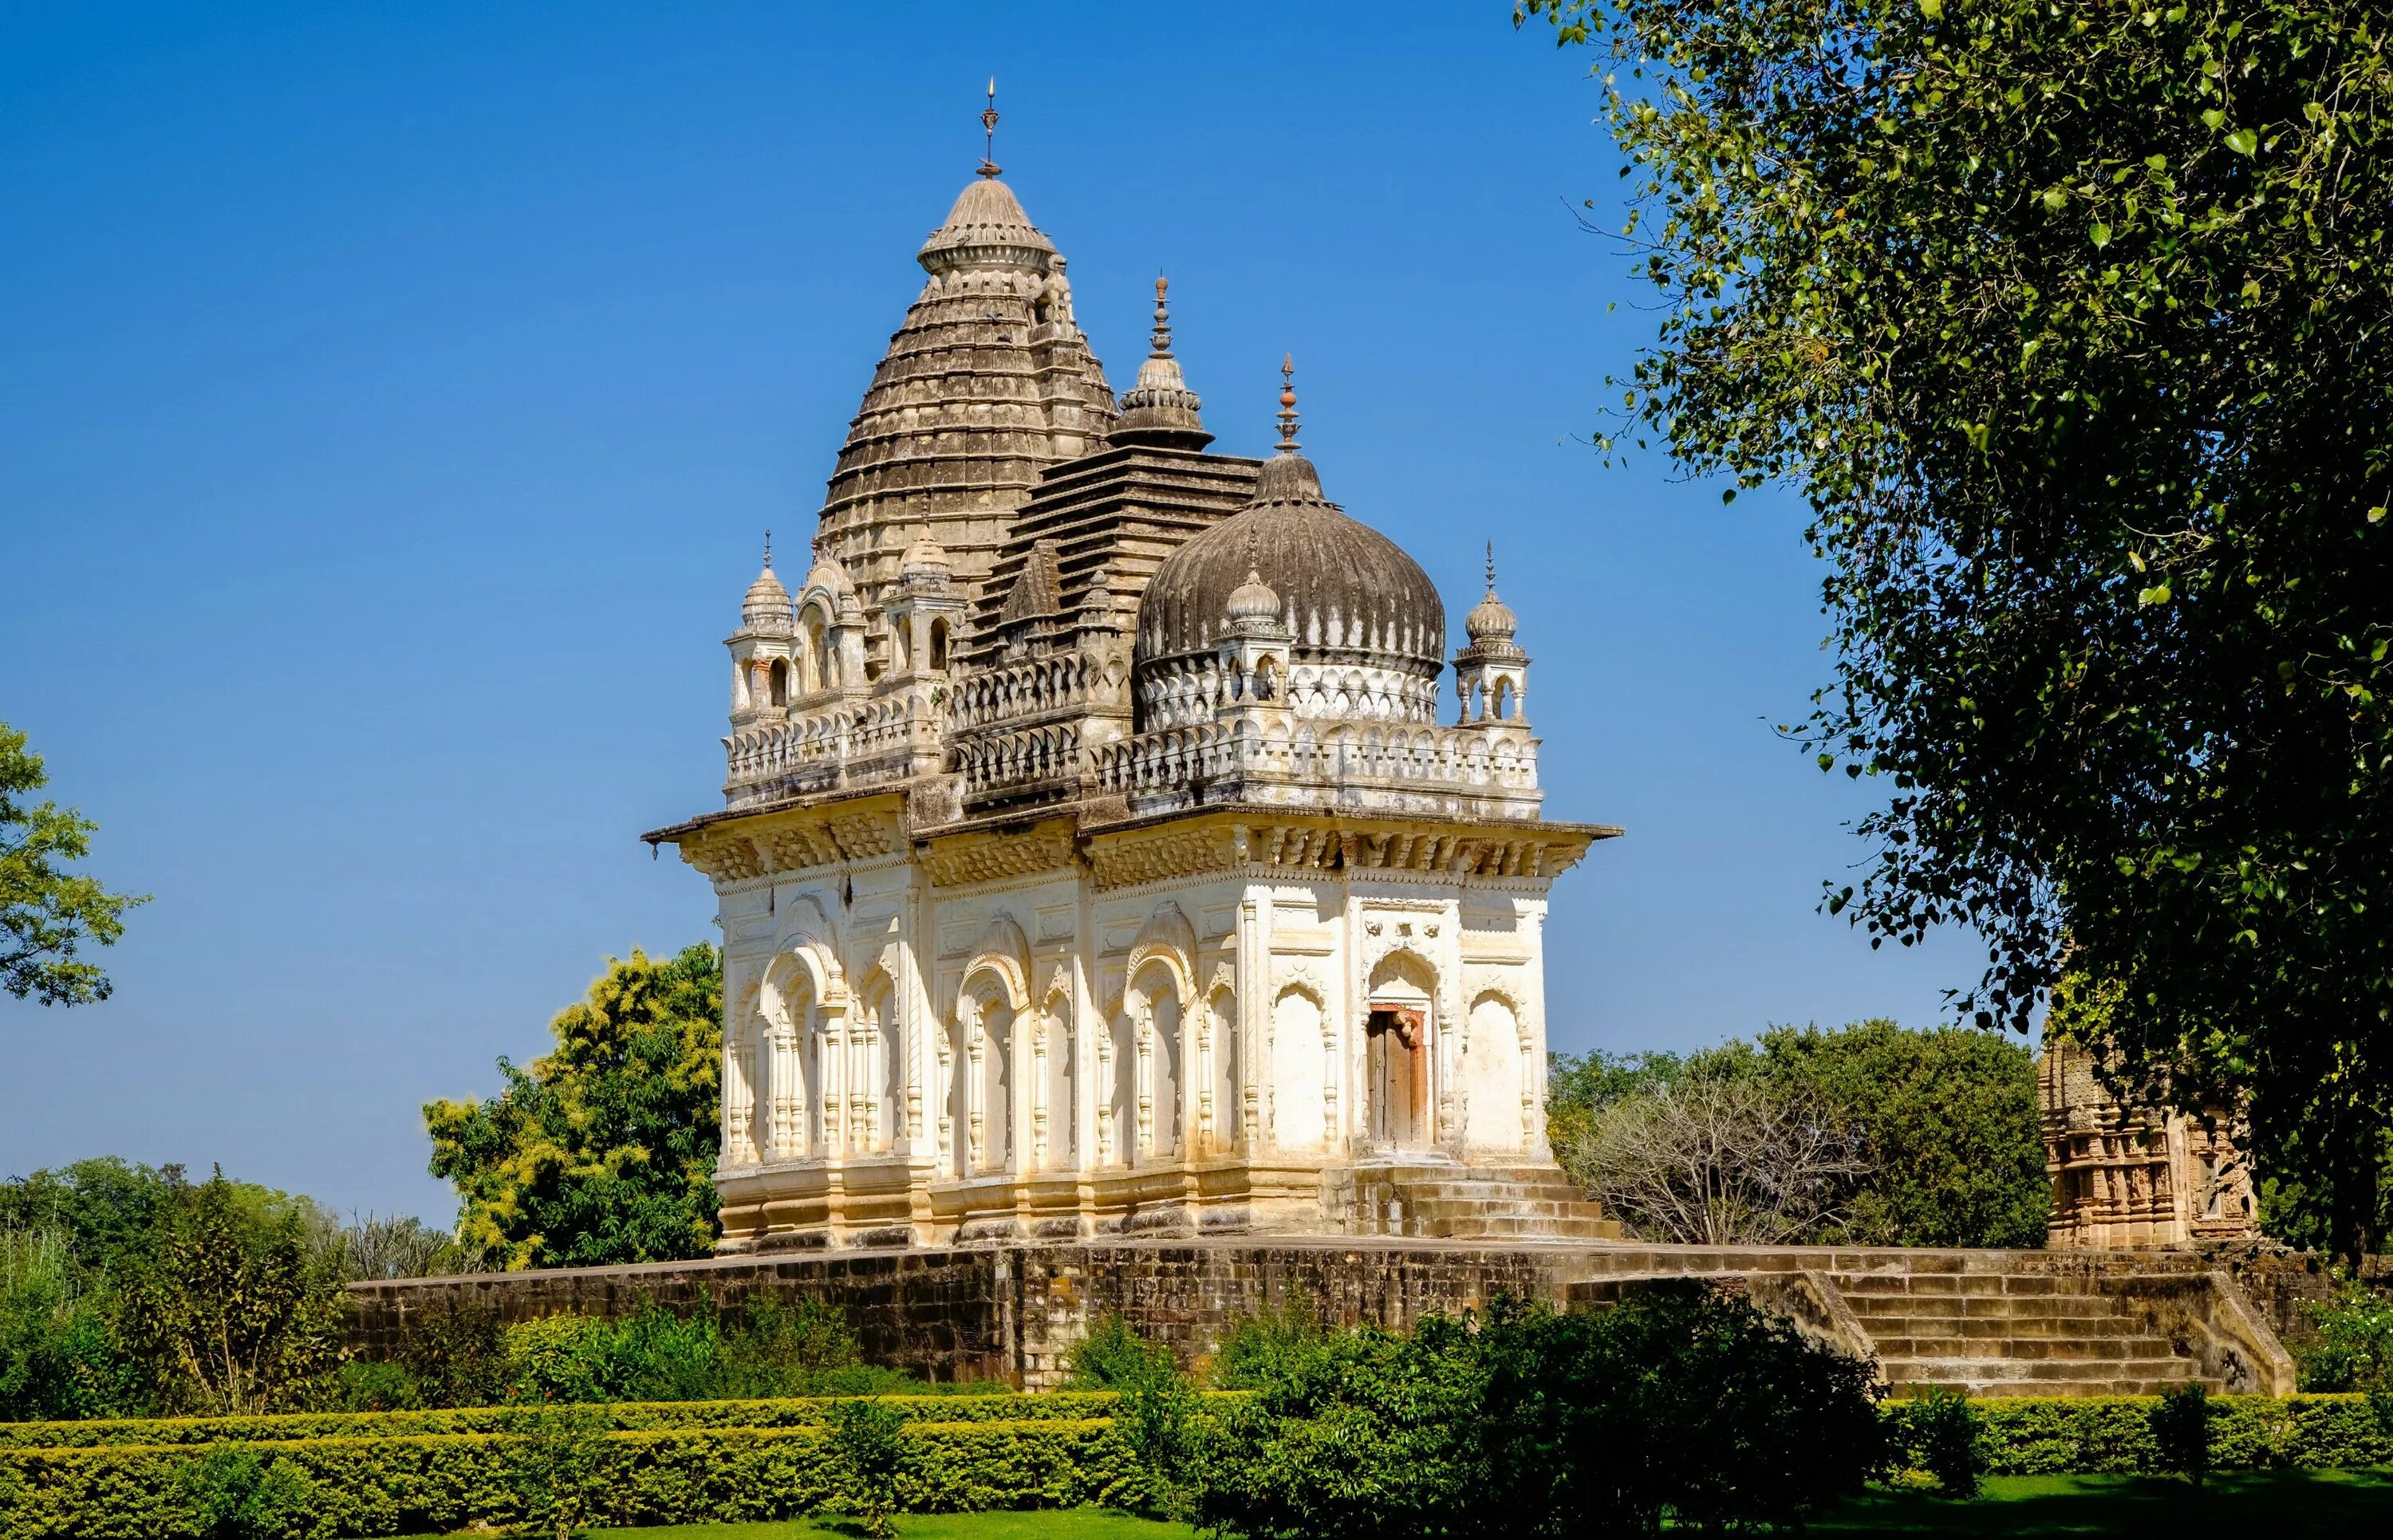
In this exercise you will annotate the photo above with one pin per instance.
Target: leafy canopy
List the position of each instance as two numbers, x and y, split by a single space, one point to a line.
2070 323
605 1149
47 912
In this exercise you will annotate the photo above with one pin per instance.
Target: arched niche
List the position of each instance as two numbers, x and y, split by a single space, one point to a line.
1300 1053
1494 1068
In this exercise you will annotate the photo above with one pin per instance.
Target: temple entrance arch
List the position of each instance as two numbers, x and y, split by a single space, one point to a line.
1399 1054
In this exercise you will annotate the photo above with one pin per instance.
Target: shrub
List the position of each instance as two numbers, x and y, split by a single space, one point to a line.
1684 1405
1113 1356
233 1493
2353 1348
2180 1423
553 1468
1948 1442
368 1386
1370 1437
1267 1348
869 1438
456 1354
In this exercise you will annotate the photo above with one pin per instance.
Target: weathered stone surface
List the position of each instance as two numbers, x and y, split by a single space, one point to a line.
1998 1322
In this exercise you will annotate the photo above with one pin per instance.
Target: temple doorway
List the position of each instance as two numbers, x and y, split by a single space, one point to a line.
1398 1038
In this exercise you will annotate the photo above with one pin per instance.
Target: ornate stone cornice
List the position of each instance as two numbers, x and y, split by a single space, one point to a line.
1306 845
792 839
995 856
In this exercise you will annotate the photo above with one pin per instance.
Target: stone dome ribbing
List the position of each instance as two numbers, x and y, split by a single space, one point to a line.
767 607
1343 587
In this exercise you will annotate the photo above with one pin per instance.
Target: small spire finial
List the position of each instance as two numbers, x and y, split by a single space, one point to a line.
989 131
1491 567
1162 338
768 550
1288 405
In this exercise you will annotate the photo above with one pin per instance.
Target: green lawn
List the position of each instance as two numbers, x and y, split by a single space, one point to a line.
2246 1504
2242 1505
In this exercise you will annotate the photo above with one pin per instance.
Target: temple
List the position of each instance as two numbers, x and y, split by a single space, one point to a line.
2130 1175
1108 844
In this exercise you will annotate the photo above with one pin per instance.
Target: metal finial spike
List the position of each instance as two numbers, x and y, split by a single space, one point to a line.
1287 404
1491 566
768 550
989 166
1162 338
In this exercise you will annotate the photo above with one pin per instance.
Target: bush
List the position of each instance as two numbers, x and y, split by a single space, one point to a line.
1112 1356
1948 1442
232 1494
2353 1348
418 1483
553 1469
1684 1405
2113 1435
869 1438
2180 1425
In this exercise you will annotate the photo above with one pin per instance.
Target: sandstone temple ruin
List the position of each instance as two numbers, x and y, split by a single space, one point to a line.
1110 845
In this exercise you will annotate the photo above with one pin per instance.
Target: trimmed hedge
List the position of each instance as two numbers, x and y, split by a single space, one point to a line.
413 1483
629 1416
2099 1435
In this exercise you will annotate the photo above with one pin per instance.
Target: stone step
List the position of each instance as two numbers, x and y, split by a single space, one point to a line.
2088 1350
1876 1310
2043 1374
1968 1285
1983 1329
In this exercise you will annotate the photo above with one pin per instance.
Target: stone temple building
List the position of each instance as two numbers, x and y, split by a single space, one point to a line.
2132 1175
1109 844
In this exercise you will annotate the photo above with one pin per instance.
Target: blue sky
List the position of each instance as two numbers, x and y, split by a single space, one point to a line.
393 398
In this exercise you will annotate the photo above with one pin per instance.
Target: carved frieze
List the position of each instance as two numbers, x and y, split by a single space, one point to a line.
961 860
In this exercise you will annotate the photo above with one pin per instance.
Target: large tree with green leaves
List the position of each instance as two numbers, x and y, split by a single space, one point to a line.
604 1151
2071 324
47 912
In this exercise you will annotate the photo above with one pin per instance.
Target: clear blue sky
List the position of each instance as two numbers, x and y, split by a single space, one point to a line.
391 399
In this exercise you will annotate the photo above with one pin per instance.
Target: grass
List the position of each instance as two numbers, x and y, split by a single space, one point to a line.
2241 1504
2237 1504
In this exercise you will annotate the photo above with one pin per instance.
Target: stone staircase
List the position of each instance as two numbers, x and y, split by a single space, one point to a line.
1445 1200
2015 1335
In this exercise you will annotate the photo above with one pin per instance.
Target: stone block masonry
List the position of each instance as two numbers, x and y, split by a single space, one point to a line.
1999 1322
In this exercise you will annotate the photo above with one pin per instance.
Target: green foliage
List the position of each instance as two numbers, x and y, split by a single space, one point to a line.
58 1356
1949 1441
47 911
1370 1437
2066 320
2112 1435
229 1314
604 1151
2352 1347
1274 1346
869 1438
1685 1406
413 1483
1946 1121
106 1209
235 1493
2181 1423
1112 1357
553 1469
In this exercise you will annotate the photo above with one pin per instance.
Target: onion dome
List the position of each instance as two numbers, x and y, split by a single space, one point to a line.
1346 592
767 607
1160 409
1253 609
1491 624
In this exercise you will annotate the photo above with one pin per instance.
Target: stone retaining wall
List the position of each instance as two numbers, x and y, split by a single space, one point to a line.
1009 1311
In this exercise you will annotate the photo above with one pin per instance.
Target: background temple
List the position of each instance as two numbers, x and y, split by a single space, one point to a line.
1094 859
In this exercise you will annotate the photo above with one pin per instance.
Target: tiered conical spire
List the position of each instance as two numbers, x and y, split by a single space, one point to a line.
1161 409
988 381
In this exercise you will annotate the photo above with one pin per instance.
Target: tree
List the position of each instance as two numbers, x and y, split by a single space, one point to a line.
604 1151
1721 1160
2069 322
47 912
231 1314
1945 1122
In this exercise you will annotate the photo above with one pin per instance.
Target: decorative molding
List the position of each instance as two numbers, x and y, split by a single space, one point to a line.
965 860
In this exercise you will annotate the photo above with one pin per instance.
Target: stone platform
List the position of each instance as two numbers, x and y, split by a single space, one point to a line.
1996 1321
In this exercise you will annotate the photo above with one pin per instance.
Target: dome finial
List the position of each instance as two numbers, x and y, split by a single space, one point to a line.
768 550
1288 444
989 129
1162 338
1491 568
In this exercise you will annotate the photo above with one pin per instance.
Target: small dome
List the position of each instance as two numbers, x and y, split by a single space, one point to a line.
1253 607
987 227
926 557
1341 586
1160 409
767 607
1491 620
